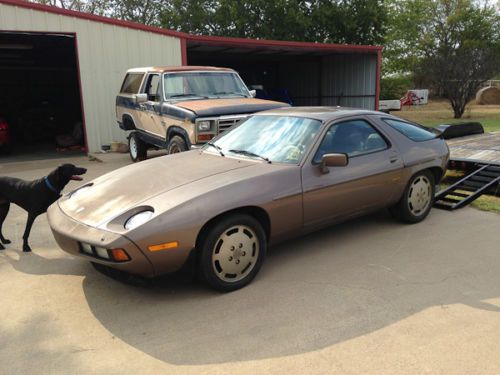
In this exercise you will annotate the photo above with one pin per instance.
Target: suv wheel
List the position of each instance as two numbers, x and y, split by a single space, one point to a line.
176 144
137 148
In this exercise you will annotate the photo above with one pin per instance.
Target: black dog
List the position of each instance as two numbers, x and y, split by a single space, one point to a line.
34 196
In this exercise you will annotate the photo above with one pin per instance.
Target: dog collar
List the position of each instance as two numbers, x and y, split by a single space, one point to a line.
50 186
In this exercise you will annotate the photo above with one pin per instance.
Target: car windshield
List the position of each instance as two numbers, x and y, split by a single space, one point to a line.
280 139
189 85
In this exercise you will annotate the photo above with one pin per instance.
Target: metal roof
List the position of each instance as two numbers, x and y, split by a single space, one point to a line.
194 41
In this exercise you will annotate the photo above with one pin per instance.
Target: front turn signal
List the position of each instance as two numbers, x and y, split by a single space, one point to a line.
120 255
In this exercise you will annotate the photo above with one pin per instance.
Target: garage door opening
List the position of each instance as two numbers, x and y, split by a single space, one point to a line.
40 94
299 73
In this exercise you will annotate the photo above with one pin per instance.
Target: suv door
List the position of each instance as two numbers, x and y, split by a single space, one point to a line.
150 110
368 182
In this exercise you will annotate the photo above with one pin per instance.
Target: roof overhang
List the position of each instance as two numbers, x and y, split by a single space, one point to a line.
213 43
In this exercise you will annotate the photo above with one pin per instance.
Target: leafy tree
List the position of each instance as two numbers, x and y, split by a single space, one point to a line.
341 21
461 50
450 45
98 7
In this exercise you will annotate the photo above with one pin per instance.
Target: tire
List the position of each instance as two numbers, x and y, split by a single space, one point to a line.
232 252
138 149
176 144
417 199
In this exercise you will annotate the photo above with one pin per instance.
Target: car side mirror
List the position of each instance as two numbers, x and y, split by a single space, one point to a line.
333 160
141 98
253 93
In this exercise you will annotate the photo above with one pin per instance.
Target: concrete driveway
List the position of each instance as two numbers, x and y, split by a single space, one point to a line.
369 296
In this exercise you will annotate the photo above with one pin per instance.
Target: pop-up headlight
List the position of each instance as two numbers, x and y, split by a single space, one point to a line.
138 219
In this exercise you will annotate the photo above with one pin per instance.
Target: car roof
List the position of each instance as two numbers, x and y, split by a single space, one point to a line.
318 113
164 69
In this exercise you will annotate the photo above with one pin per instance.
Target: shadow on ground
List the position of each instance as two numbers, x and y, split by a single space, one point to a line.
325 288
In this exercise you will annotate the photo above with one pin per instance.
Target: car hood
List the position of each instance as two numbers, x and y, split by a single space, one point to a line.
228 106
126 188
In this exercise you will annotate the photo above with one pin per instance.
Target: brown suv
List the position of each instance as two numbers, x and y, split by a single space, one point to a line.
179 108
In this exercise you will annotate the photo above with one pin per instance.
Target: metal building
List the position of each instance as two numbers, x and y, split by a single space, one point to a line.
61 68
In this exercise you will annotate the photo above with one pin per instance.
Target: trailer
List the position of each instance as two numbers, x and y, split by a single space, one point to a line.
478 154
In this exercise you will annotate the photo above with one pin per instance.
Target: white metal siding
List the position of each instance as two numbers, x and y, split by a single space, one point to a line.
105 52
349 80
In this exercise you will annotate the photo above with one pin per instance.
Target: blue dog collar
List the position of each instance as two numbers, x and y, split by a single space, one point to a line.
50 186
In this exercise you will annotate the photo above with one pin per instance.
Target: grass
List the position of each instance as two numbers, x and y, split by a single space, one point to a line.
440 112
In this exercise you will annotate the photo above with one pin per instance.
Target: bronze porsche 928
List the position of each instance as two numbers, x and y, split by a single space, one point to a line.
276 175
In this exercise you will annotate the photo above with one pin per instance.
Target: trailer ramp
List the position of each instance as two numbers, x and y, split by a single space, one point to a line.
468 188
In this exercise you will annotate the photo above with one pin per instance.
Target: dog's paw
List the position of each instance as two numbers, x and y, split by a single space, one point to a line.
5 241
26 248
2 247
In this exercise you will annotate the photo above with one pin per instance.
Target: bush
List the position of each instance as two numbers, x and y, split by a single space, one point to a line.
394 87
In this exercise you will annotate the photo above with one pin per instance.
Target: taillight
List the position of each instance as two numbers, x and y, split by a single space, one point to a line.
4 125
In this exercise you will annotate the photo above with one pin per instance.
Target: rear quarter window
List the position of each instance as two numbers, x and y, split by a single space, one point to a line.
132 83
415 132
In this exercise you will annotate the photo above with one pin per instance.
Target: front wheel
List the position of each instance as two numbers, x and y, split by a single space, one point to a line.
176 145
138 149
417 199
232 252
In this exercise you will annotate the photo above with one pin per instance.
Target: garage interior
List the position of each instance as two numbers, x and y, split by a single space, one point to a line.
299 76
40 94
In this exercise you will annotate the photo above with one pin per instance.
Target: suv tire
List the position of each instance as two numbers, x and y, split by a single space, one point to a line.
176 144
138 149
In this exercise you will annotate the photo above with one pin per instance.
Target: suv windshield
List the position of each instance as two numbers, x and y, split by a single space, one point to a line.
280 139
188 85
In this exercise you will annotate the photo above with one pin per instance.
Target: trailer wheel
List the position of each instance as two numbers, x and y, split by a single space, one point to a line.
138 149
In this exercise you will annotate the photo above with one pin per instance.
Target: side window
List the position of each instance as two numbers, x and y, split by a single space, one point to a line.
413 131
131 83
153 87
353 137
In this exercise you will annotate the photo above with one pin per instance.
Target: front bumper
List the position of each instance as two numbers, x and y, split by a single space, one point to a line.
69 233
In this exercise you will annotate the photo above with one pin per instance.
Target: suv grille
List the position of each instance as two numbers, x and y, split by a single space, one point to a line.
226 123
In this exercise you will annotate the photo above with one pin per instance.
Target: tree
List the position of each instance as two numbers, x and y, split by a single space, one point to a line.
146 12
341 21
461 50
450 45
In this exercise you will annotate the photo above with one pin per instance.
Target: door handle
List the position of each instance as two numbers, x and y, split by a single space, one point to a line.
393 159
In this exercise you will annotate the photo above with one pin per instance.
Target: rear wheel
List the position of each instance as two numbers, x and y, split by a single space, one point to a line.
176 144
417 199
232 252
137 148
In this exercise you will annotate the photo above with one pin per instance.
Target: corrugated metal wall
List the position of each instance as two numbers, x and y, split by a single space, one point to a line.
346 80
105 52
349 80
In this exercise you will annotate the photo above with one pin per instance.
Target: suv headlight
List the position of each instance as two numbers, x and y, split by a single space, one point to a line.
204 126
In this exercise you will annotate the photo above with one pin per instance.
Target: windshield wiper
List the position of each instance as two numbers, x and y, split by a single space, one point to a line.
216 147
229 93
251 154
186 95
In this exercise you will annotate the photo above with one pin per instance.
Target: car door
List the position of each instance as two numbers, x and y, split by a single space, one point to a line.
150 110
368 181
